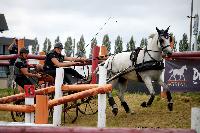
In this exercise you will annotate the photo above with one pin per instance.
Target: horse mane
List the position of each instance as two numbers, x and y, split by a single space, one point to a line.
152 35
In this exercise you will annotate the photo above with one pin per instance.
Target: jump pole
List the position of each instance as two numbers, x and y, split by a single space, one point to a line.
102 99
195 119
57 114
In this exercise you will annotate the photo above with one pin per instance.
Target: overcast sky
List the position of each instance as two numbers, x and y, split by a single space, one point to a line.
50 18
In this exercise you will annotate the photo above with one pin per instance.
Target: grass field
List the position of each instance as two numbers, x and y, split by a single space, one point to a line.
157 116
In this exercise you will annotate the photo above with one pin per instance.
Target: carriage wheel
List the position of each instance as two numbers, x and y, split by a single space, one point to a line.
89 105
70 111
18 116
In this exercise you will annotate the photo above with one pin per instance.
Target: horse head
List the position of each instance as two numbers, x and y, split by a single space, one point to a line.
184 67
164 40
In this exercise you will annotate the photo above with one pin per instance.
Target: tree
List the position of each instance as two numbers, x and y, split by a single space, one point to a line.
34 47
93 44
175 45
106 42
118 45
37 49
57 39
81 47
175 42
48 45
143 43
45 45
73 47
130 45
68 47
183 44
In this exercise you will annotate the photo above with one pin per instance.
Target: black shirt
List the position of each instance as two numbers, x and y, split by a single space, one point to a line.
48 64
14 50
20 63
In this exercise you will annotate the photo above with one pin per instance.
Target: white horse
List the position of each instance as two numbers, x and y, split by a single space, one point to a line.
178 72
146 64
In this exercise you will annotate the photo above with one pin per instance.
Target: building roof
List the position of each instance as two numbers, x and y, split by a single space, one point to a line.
8 41
3 24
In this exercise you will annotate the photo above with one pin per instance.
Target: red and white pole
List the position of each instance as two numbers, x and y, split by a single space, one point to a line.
29 100
95 61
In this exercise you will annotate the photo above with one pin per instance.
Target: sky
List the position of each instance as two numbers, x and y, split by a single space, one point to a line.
64 18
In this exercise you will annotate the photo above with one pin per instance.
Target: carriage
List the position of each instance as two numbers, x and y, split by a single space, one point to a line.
71 110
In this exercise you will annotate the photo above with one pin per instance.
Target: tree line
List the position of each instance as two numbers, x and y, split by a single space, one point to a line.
69 45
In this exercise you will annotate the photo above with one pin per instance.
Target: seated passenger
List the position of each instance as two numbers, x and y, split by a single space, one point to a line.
21 69
54 59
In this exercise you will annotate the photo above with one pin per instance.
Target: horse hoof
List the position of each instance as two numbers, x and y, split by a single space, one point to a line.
115 111
126 107
170 106
144 104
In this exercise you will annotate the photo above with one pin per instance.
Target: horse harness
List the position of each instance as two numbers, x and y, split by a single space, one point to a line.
145 65
153 64
166 36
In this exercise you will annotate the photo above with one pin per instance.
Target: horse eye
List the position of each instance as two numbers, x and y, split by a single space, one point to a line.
166 36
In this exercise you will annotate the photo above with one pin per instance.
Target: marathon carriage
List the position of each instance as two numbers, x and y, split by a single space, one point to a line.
71 110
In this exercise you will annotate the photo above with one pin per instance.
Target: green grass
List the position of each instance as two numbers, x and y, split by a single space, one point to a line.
157 116
5 92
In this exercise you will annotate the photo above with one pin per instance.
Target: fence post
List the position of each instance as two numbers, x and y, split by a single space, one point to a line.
41 109
195 119
57 114
102 99
95 54
29 100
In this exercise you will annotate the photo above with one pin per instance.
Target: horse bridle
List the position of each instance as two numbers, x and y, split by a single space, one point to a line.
166 36
160 39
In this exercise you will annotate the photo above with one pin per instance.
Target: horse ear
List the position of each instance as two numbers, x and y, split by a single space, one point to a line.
167 29
158 30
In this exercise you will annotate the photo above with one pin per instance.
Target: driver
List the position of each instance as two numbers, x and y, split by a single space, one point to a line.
54 59
21 69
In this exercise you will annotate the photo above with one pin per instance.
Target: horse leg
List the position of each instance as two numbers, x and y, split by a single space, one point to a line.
111 100
168 93
122 88
148 83
112 103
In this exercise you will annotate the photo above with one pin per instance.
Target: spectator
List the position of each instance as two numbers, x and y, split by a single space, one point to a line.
13 49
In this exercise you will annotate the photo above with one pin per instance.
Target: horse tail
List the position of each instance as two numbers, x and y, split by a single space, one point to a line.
170 70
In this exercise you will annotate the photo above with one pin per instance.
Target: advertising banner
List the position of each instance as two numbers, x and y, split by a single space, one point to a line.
182 75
